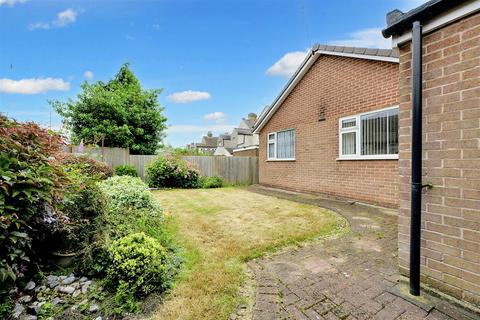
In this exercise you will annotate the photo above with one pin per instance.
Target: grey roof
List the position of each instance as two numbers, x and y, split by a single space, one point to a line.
355 50
249 122
210 141
225 136
398 22
244 131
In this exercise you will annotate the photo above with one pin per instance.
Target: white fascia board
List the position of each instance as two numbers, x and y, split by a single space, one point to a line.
441 20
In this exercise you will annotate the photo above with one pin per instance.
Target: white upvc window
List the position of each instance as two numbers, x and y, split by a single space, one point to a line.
281 145
370 135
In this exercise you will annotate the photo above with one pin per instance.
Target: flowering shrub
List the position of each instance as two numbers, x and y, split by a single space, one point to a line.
125 192
169 172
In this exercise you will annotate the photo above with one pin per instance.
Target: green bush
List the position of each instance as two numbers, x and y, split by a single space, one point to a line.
126 170
83 204
170 172
125 192
212 182
139 263
88 166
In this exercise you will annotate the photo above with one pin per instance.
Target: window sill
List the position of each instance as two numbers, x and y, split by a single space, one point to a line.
382 157
279 160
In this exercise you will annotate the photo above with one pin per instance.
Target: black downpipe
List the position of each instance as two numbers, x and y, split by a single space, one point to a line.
416 193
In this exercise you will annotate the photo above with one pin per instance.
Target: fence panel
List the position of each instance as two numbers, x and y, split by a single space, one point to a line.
237 170
141 162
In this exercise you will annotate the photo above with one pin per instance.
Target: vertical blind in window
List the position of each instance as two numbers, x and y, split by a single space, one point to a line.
286 144
379 133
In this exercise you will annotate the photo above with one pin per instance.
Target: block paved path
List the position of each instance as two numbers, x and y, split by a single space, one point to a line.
344 278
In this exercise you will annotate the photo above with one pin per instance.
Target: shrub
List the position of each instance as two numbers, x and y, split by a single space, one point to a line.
125 192
169 172
88 166
212 182
139 263
126 170
31 184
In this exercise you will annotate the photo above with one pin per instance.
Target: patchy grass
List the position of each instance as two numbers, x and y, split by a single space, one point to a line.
220 230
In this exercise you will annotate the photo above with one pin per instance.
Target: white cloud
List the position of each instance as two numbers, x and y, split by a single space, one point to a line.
64 18
188 128
215 116
11 3
288 64
188 96
367 38
33 85
88 75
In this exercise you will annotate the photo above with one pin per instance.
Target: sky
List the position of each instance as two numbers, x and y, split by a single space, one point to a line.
216 61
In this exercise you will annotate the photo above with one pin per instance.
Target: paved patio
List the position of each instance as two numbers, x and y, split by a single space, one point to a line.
346 278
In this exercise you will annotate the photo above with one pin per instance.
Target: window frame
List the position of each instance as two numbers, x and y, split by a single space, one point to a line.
274 141
358 130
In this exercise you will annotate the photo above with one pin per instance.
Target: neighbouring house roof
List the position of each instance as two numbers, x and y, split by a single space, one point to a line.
243 131
210 141
398 22
313 54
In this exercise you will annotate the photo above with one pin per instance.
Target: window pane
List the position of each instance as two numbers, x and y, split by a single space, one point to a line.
349 143
271 137
286 144
379 133
349 123
271 150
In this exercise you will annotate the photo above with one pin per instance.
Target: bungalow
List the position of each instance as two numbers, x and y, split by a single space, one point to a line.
333 129
450 228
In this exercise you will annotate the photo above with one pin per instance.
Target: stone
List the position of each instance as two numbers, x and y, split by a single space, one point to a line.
52 281
30 286
29 317
83 279
57 300
76 293
25 299
18 310
98 318
66 289
85 288
69 280
35 307
93 308
40 288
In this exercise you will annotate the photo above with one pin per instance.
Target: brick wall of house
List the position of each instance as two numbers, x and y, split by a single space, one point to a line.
246 153
451 159
340 86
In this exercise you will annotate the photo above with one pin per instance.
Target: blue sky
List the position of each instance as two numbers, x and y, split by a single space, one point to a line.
215 60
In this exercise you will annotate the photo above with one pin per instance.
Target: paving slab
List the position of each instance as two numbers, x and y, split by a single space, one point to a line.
351 277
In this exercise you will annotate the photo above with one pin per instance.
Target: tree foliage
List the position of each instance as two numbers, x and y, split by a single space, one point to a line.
119 111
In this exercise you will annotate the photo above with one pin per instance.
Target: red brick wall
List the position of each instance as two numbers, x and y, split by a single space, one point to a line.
342 86
451 159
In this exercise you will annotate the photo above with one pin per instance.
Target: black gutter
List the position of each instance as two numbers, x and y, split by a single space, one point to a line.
416 188
399 22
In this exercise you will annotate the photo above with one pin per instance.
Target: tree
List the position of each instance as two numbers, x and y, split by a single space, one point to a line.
118 112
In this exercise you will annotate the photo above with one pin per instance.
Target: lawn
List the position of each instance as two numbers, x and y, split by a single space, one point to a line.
220 230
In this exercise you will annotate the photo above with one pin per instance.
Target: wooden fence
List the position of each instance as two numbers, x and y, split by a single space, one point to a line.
236 170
